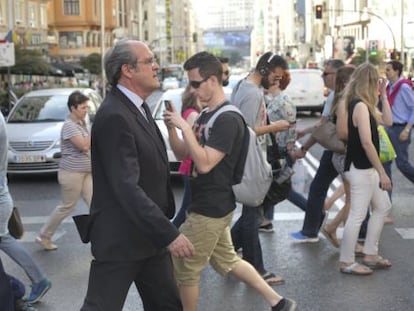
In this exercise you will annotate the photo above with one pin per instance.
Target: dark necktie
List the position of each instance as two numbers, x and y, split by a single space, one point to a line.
147 111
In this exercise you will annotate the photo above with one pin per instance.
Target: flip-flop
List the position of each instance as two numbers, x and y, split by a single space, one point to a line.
330 237
353 269
272 279
380 263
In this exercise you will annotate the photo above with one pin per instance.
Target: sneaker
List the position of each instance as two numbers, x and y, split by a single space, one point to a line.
47 244
38 291
266 228
22 305
289 305
300 238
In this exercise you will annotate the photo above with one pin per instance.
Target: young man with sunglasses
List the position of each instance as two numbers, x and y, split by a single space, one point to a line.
226 70
211 211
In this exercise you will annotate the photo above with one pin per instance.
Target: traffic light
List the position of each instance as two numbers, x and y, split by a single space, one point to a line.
318 11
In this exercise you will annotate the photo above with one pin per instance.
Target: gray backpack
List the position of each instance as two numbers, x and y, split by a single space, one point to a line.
253 174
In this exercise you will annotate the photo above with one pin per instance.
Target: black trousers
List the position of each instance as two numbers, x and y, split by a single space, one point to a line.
110 281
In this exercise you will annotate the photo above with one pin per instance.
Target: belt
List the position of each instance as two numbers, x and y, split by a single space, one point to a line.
399 124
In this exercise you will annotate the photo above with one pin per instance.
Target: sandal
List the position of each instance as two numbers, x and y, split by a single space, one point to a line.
355 269
331 237
379 263
272 279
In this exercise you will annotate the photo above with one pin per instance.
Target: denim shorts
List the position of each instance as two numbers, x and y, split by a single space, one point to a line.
212 243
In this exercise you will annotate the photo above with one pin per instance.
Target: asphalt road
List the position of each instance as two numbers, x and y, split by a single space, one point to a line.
310 270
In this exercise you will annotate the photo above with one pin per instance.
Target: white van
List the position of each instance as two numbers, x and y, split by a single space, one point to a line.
306 89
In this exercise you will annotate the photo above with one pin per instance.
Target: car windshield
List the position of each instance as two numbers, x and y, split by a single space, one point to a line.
47 108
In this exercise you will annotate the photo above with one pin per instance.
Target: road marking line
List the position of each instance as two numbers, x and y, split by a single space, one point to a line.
406 233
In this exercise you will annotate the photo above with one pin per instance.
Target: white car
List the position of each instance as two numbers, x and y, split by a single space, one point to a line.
174 96
170 83
306 89
34 125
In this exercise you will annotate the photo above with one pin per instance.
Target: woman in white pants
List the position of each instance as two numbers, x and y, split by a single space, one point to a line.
74 174
368 181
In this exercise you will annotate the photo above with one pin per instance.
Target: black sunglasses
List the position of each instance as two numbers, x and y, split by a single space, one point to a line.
327 73
196 84
227 72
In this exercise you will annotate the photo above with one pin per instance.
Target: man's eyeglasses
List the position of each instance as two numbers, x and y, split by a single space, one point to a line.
196 84
149 61
327 74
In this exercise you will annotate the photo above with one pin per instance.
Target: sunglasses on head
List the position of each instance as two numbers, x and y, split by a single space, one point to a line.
196 84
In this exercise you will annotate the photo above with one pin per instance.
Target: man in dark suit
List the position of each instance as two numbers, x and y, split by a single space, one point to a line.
129 229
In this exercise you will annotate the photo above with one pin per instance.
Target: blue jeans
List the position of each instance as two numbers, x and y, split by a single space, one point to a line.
245 234
21 256
294 197
314 214
401 149
181 215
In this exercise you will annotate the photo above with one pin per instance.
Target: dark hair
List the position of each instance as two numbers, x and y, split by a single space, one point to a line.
335 63
75 99
269 61
396 65
223 60
208 65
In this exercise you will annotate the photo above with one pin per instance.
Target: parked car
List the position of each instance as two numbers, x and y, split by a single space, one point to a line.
170 83
174 96
306 89
34 126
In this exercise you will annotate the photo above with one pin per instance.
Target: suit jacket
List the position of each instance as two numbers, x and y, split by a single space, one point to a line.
132 198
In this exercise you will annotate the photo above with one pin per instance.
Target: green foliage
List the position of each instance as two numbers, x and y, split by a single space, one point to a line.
92 62
28 62
360 57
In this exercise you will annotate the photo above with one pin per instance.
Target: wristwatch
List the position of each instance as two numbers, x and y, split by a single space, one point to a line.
303 149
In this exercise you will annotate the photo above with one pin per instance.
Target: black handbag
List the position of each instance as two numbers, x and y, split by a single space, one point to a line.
281 183
15 224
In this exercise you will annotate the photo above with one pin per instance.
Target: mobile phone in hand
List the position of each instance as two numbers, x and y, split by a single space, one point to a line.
167 104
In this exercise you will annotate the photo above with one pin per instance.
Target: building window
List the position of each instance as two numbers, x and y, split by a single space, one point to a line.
71 7
71 40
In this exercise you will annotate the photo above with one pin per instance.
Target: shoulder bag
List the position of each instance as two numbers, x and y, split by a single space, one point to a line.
326 136
15 224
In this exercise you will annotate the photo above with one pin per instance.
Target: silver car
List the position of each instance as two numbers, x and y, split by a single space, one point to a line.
34 126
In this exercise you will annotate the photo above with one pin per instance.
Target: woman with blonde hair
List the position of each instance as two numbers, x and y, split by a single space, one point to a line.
358 119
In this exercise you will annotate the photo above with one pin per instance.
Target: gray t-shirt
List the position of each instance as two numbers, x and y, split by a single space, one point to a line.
249 98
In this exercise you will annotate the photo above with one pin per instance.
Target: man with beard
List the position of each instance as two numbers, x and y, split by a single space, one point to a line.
226 70
248 96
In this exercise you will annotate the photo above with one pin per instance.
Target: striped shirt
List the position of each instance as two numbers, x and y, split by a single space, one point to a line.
73 159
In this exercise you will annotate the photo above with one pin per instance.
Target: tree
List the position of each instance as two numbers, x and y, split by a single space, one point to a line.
360 57
29 62
92 62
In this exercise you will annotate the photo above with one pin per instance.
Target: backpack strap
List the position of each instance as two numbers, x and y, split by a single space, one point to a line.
224 108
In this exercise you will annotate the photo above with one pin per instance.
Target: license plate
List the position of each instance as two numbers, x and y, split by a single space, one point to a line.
29 158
